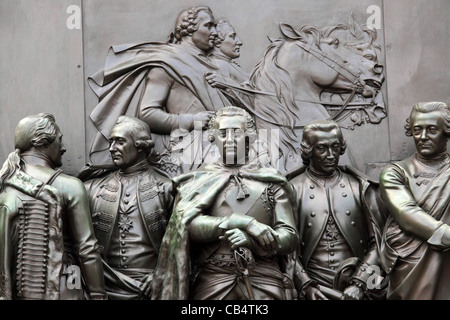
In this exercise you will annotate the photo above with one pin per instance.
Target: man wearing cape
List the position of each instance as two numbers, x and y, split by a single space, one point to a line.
164 85
220 209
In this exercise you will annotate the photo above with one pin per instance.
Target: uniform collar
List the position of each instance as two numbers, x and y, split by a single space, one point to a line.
435 163
135 169
37 158
324 180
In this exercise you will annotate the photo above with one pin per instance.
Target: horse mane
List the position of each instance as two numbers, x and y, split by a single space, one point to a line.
372 33
269 76
315 33
318 34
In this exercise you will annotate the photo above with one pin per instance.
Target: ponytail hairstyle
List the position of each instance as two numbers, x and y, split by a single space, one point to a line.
10 166
32 131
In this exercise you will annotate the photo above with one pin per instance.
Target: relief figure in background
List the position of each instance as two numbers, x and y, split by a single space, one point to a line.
226 51
312 74
164 85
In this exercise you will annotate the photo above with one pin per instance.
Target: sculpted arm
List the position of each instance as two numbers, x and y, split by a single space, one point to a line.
403 206
280 238
239 230
79 220
206 228
152 107
306 287
376 213
365 276
284 222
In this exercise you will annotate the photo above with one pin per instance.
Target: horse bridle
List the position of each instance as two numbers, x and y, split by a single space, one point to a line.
355 79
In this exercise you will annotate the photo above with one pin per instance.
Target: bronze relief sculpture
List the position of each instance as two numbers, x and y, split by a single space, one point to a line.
45 220
130 209
313 74
416 237
310 74
192 210
172 94
232 224
226 51
341 218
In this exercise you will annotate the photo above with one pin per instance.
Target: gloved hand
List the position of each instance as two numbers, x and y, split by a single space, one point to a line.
264 235
237 238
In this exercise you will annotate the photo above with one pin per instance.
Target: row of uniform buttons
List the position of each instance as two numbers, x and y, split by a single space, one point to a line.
123 235
331 220
312 196
353 223
313 214
332 245
126 201
333 233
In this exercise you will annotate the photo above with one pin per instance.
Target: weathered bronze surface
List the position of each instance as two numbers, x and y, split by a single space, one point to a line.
45 223
417 234
269 199
130 208
341 219
232 225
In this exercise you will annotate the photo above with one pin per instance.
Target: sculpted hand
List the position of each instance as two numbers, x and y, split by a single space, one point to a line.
353 292
265 236
446 238
146 286
214 81
203 117
237 238
441 238
312 293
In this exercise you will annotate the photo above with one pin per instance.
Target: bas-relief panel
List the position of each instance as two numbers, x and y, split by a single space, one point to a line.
119 22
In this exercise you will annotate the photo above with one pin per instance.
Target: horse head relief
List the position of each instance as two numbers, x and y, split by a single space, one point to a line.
328 73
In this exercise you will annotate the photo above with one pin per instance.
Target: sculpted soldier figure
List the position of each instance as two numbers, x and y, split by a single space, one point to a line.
130 209
416 190
230 74
340 218
234 219
168 83
45 224
226 51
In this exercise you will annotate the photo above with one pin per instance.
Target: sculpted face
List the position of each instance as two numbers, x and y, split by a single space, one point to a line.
428 130
326 151
230 138
231 45
121 146
206 33
55 150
